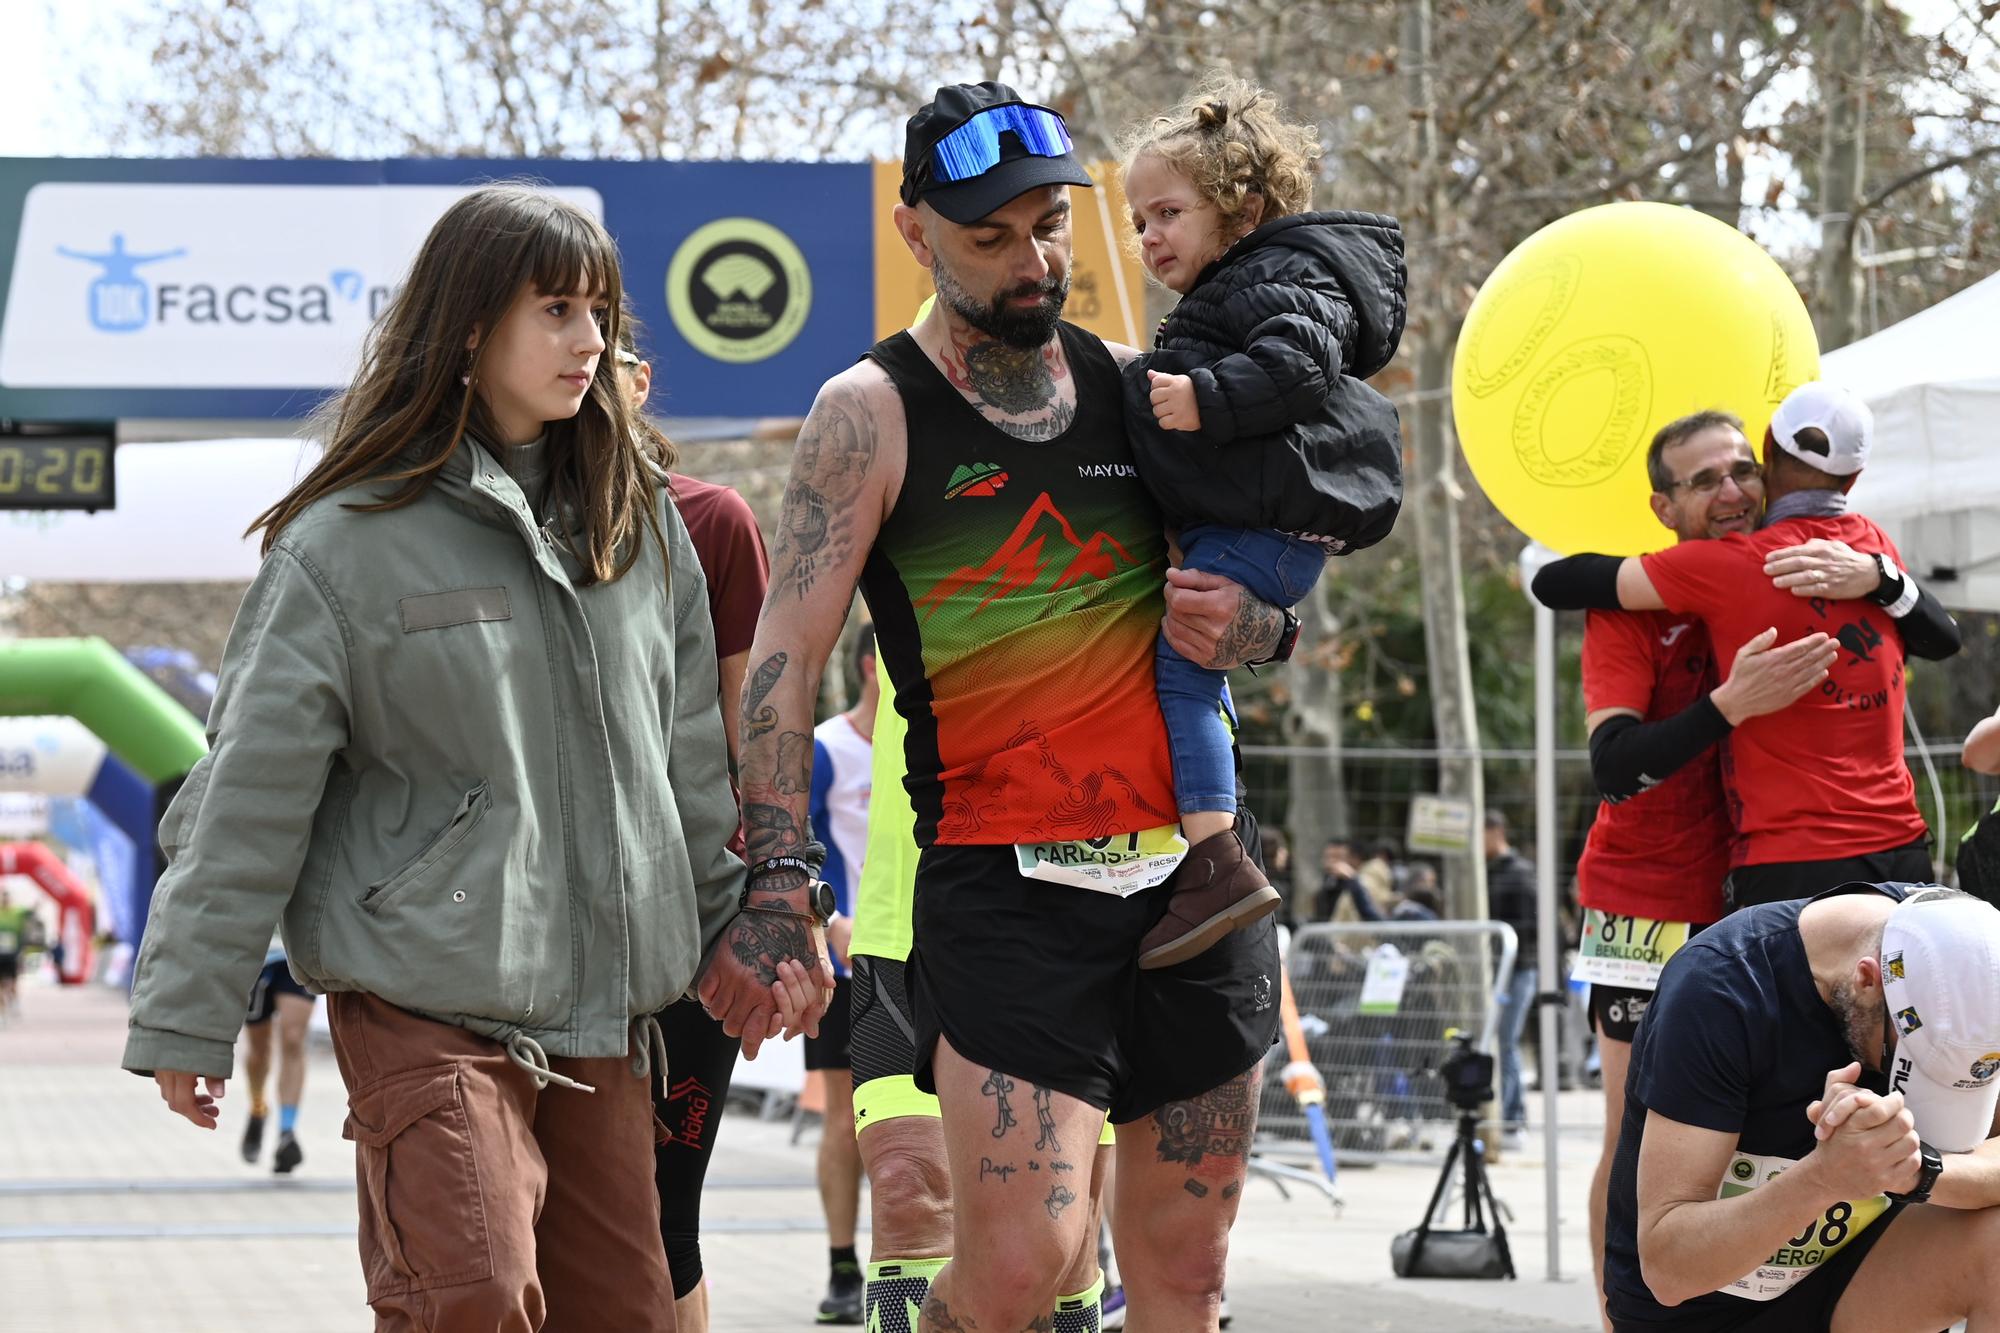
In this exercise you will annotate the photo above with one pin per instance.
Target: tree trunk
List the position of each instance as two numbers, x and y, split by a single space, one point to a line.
1317 808
1433 489
1843 90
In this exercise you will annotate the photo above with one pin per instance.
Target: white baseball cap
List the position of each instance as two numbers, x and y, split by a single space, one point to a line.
1941 983
1837 414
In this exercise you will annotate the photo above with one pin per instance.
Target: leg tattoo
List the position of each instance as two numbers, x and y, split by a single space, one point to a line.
1048 1141
997 1086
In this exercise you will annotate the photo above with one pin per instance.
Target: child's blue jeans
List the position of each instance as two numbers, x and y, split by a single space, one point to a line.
1272 567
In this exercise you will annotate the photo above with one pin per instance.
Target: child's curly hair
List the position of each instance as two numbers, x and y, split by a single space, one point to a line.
1228 139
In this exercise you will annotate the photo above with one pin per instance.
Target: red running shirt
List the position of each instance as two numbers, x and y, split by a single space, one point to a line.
1664 852
1824 778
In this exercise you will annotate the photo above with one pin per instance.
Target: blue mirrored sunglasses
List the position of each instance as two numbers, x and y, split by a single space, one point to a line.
974 147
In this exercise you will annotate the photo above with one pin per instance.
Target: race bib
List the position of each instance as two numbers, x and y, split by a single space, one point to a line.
1821 1239
1626 951
1124 863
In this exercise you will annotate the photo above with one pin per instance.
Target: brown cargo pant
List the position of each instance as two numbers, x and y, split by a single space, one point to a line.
487 1204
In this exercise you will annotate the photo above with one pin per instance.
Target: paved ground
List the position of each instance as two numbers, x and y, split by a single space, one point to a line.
115 1216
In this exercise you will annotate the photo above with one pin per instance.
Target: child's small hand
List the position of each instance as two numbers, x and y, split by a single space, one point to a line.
1173 401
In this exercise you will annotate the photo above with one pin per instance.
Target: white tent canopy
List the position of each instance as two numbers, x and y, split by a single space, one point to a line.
1933 382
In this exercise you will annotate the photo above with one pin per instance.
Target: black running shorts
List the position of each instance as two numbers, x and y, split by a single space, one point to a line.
1042 982
830 1049
881 1036
1615 1011
273 981
1782 881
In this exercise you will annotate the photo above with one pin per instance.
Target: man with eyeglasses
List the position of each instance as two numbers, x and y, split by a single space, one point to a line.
973 475
1808 1140
1652 868
1818 794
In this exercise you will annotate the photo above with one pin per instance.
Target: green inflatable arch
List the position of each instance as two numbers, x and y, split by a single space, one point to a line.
89 680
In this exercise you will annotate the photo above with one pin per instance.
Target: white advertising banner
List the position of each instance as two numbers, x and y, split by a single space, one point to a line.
186 286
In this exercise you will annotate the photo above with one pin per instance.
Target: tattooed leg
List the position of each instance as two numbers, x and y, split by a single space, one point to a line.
1180 1180
1021 1203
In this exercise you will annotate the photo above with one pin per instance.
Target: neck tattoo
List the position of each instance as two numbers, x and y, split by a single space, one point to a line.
1018 389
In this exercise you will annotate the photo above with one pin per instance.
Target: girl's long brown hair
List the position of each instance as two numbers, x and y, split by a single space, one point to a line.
410 405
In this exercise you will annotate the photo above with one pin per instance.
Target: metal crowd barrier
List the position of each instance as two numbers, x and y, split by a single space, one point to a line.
1378 1039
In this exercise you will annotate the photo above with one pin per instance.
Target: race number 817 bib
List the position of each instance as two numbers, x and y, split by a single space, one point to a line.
1799 1257
1123 864
1626 951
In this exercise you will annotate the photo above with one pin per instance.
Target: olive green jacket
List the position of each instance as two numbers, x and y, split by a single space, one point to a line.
470 786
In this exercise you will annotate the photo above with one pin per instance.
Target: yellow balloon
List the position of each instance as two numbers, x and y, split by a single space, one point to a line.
1596 331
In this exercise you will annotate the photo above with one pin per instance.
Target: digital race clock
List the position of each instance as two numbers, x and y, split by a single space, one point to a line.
56 468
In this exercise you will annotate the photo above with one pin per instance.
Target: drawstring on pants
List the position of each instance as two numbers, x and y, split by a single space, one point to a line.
526 1052
652 1047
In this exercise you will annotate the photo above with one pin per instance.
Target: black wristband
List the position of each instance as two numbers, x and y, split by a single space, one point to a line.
1579 583
1627 756
811 857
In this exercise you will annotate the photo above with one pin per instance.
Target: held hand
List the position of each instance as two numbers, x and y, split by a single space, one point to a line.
1214 623
178 1090
1837 1102
1173 401
739 984
1823 568
1764 679
800 998
1875 1149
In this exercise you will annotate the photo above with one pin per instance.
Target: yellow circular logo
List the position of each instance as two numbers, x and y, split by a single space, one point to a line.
739 290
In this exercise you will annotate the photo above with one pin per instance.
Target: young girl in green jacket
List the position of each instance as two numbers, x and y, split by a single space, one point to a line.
466 745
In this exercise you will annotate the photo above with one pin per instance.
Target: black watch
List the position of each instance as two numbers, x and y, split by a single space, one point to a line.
1927 1174
1890 588
1288 639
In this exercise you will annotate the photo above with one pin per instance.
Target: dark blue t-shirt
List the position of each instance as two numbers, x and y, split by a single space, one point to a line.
1737 1039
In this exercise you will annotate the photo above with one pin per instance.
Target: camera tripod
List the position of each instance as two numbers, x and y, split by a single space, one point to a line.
1466 1151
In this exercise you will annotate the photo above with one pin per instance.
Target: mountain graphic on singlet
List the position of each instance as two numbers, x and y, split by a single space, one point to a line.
1038 542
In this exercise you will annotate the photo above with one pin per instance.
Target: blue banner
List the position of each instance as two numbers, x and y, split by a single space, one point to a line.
238 289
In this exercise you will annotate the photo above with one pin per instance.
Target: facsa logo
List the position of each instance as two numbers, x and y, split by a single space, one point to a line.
119 301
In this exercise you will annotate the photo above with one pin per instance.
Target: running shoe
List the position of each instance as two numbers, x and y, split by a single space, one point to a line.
253 1139
289 1154
845 1290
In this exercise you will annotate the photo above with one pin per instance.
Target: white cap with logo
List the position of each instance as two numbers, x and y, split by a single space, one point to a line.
1941 983
1842 418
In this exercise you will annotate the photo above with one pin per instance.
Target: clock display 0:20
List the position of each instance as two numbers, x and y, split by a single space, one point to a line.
67 473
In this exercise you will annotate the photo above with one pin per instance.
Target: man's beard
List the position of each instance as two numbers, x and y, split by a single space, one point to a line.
1861 1026
999 320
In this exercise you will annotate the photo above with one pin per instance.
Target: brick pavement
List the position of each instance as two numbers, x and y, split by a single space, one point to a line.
115 1216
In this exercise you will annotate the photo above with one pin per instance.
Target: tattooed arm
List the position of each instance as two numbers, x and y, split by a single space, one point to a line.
1216 623
846 470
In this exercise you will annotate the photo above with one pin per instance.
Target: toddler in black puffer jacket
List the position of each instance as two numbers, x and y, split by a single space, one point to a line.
1250 423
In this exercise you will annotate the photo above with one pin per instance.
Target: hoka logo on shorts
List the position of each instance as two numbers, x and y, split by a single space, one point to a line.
118 301
969 479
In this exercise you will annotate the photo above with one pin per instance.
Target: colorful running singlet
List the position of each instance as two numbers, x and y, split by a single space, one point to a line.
1016 589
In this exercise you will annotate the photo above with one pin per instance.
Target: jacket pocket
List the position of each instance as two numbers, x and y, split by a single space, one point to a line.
423 1218
437 852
